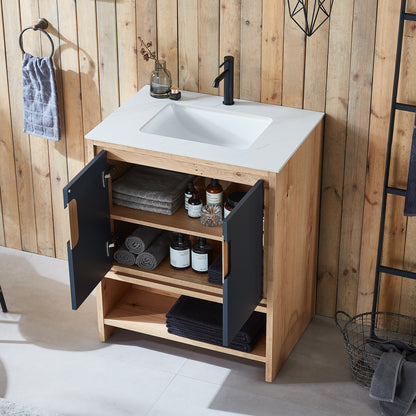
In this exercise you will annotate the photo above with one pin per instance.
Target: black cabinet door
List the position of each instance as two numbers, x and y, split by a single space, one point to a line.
242 289
90 258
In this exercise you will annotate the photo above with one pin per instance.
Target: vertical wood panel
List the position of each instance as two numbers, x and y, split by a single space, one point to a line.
250 66
127 48
167 35
208 37
71 87
146 28
384 60
230 38
272 51
10 205
39 148
339 55
361 72
293 64
188 44
2 236
107 48
21 141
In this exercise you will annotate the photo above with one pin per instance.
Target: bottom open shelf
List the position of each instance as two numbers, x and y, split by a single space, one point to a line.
145 312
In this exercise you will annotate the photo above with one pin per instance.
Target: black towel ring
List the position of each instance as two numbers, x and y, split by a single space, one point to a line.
41 25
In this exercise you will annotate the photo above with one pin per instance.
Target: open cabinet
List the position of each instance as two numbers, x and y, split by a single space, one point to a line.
272 272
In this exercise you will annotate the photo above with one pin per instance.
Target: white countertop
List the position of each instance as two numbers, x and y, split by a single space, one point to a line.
270 152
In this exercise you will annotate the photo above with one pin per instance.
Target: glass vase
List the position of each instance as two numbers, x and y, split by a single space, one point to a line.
160 80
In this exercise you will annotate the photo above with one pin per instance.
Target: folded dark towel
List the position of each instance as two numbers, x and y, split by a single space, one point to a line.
40 100
410 201
152 184
125 257
155 254
141 238
148 202
202 320
215 271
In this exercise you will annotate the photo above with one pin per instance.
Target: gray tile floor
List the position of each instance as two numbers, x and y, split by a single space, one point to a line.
50 358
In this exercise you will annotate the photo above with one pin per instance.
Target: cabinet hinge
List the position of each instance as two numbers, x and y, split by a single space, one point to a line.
108 247
104 177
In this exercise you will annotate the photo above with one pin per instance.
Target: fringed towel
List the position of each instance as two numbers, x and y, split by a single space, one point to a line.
40 100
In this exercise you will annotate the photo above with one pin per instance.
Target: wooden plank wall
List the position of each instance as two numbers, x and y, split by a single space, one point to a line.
345 69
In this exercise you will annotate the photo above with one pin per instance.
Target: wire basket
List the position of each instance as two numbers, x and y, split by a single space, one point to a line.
357 331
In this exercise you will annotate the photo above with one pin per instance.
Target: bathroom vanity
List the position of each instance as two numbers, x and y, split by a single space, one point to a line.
272 153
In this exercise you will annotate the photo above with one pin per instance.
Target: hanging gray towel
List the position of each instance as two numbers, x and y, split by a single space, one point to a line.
410 201
40 100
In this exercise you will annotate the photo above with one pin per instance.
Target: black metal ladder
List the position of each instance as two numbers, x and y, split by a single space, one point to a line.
387 189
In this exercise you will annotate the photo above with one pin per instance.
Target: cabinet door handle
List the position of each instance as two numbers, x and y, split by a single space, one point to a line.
73 223
225 259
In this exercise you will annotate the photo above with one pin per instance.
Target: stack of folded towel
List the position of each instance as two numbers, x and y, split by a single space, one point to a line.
151 189
215 271
146 247
201 320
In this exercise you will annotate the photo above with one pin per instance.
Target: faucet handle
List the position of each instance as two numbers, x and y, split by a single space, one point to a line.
227 58
222 64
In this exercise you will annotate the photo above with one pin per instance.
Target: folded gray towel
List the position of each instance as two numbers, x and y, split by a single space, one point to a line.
141 238
152 184
40 100
146 207
124 256
410 201
149 202
155 254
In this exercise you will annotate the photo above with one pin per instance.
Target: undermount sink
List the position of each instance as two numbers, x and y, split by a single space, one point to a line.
221 128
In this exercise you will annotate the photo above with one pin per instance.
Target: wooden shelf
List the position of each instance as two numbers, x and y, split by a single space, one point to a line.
179 221
180 282
145 312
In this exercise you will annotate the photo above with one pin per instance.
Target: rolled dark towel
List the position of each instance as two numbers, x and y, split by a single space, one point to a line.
141 238
124 256
155 254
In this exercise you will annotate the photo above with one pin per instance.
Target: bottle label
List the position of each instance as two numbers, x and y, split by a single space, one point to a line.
187 197
194 211
214 199
180 258
200 262
226 212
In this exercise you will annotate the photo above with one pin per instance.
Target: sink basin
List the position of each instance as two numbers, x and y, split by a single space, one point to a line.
221 128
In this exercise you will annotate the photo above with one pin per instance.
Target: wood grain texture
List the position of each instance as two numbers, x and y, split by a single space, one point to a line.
2 236
250 66
21 141
9 200
147 29
384 61
208 47
167 36
293 63
107 53
230 38
127 48
339 56
188 44
272 51
361 73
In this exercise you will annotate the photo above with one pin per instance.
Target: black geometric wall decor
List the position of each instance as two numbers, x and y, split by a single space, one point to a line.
310 15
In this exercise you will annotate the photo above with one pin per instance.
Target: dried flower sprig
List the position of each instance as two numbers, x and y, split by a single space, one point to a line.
146 52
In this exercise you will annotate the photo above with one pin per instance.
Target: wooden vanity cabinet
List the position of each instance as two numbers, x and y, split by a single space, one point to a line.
275 274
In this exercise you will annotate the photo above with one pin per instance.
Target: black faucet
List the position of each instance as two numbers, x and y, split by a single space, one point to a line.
228 76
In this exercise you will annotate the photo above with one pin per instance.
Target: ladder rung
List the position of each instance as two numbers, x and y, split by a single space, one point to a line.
397 272
395 191
409 16
405 107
